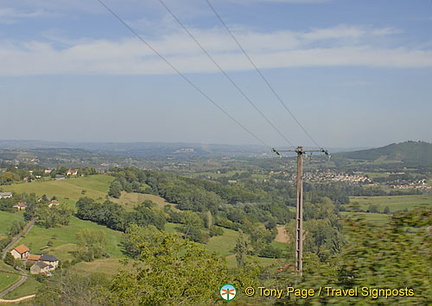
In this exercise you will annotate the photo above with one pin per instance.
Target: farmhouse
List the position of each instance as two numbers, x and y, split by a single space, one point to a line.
20 252
72 172
53 203
50 260
41 268
5 195
20 206
42 264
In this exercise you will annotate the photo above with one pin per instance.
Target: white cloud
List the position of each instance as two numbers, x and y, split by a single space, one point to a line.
269 50
11 15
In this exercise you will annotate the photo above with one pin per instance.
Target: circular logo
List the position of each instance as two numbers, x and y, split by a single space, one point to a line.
228 292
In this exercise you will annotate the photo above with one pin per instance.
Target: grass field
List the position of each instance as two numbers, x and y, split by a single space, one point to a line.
8 275
130 200
6 219
63 239
29 287
375 219
395 203
107 266
67 191
223 244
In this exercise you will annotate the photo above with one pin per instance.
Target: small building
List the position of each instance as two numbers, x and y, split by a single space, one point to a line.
32 259
50 260
53 203
72 172
5 195
41 268
20 206
20 252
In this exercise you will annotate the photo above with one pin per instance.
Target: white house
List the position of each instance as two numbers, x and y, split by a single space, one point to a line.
5 195
20 252
50 260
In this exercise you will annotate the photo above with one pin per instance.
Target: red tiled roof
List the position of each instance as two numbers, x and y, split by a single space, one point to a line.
22 249
33 257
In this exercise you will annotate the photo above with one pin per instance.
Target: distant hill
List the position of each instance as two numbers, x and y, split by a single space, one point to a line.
141 149
409 153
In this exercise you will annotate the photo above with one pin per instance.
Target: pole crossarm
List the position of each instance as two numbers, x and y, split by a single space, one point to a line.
300 150
299 210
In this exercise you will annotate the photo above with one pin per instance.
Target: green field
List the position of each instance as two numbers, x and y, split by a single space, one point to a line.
8 276
373 218
395 203
30 286
223 244
68 190
107 266
132 199
6 219
63 239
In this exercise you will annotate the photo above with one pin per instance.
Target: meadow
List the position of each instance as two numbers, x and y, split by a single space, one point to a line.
8 276
63 239
67 191
132 199
394 203
6 220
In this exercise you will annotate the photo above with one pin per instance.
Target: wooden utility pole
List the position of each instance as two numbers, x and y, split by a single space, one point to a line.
299 210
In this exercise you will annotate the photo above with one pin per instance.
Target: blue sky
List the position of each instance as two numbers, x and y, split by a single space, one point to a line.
353 73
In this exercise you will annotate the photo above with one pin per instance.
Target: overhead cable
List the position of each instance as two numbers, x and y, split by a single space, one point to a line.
261 74
181 74
224 72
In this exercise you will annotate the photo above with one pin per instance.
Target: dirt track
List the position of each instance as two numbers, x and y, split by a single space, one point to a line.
282 236
24 298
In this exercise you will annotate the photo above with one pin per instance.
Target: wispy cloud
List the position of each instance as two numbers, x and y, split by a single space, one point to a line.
280 49
11 15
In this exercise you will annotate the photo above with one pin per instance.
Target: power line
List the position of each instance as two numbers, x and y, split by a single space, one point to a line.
223 72
261 74
181 74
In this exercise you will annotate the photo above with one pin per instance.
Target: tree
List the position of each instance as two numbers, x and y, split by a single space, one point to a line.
241 249
192 227
260 237
69 287
9 259
53 216
90 244
136 237
389 256
147 213
175 271
115 189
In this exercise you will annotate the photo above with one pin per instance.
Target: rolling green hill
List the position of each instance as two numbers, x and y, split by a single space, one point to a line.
409 154
67 191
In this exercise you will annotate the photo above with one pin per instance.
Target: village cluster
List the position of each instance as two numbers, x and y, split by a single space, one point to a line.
39 264
23 205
